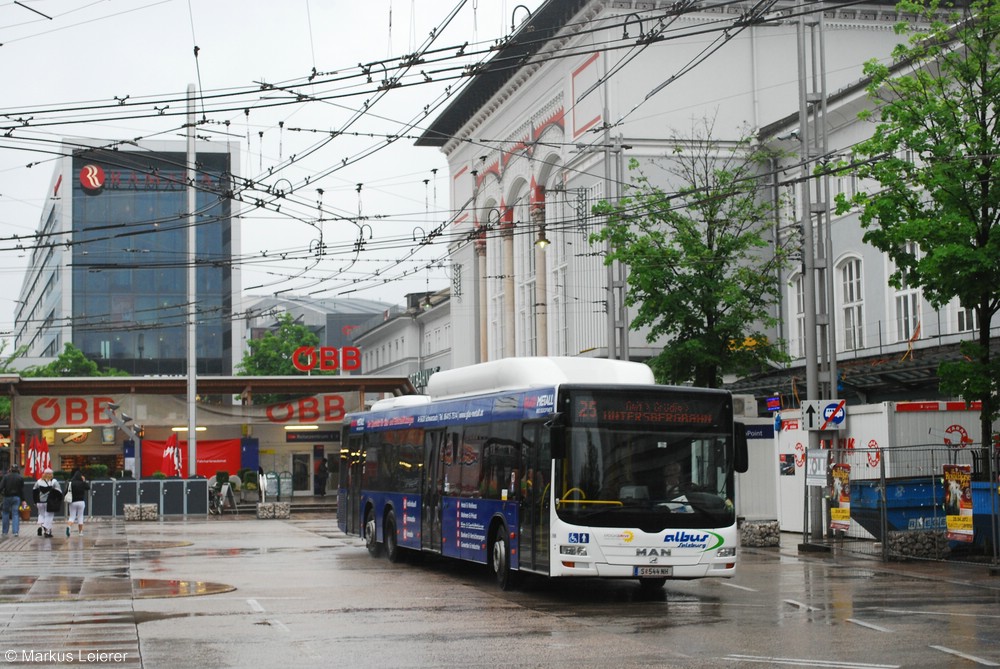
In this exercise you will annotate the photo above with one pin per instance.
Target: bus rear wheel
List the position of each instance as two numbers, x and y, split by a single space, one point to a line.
392 550
371 541
500 560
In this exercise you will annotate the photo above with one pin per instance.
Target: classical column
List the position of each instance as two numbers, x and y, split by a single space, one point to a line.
481 310
541 272
507 237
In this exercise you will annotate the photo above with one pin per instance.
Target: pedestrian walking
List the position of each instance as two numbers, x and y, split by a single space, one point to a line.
48 498
321 478
77 498
11 488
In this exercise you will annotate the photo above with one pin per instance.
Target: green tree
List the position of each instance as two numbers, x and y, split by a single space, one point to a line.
71 362
934 157
272 354
702 270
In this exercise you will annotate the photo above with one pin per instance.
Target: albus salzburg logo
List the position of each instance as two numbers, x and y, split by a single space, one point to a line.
92 179
703 540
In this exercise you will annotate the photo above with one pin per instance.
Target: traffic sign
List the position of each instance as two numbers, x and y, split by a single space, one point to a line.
824 414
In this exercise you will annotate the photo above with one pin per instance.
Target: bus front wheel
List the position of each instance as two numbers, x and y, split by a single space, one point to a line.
651 585
500 560
371 541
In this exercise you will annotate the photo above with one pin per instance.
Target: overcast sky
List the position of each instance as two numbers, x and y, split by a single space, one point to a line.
116 70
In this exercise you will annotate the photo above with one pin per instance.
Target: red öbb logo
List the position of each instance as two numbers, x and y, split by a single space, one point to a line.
325 409
326 358
70 411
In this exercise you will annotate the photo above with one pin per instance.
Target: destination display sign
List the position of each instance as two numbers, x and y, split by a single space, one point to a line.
620 408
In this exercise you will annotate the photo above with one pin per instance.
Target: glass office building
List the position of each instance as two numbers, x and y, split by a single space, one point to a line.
110 275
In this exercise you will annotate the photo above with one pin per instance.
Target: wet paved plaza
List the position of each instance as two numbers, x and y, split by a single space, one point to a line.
238 591
77 599
94 566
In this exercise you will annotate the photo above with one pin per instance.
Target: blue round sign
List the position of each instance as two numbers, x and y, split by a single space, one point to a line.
834 413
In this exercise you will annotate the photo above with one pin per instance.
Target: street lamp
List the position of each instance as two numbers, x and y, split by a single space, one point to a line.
492 222
542 240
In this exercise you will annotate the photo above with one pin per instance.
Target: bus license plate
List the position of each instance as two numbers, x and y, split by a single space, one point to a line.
654 571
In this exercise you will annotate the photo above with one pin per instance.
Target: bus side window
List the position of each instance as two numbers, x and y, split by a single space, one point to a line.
499 460
451 466
370 472
410 459
471 459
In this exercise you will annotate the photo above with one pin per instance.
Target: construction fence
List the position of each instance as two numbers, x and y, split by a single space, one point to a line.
928 502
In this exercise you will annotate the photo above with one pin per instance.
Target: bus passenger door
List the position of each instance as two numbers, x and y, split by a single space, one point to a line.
355 467
430 511
536 467
543 491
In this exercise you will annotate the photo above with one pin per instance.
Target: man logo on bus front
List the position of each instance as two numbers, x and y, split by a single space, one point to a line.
652 552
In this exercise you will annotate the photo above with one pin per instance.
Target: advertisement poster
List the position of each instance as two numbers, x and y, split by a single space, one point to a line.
958 501
213 455
840 498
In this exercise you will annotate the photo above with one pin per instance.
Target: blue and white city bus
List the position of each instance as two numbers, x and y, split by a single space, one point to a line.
562 467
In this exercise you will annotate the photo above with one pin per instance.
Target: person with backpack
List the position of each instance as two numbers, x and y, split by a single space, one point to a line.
11 488
48 499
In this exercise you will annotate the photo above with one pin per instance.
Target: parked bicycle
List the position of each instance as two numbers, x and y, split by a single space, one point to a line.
216 503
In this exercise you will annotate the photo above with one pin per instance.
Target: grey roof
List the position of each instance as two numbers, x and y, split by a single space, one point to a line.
874 378
328 305
501 68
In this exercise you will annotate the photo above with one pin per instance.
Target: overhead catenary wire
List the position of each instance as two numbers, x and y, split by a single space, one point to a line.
246 189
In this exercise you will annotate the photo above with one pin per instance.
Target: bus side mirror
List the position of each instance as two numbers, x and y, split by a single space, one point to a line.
741 454
558 443
557 435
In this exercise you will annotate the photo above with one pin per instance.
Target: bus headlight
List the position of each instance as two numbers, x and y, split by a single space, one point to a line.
573 549
728 551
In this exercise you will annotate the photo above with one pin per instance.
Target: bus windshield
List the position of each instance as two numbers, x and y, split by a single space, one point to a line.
651 475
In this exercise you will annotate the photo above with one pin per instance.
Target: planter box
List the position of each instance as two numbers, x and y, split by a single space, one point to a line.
760 533
274 510
142 512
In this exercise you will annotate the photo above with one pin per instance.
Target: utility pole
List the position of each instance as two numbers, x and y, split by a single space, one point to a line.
192 287
615 310
820 351
610 269
621 325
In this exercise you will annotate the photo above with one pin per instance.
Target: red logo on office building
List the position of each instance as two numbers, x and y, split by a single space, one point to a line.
92 178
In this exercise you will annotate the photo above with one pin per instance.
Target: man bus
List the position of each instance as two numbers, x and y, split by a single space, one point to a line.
561 467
